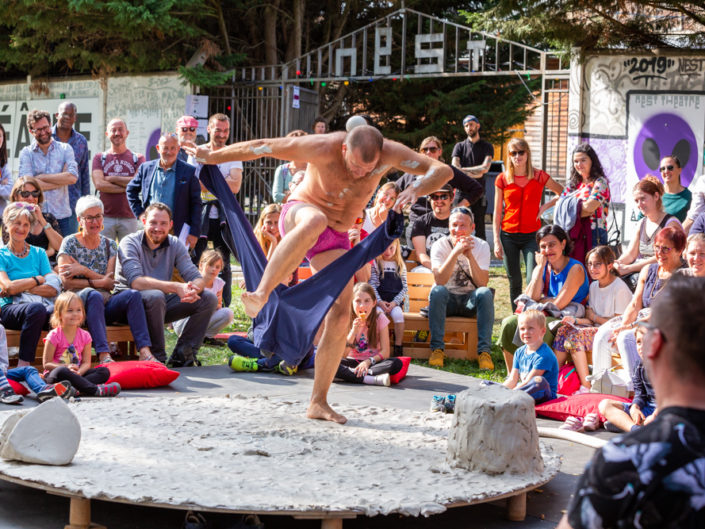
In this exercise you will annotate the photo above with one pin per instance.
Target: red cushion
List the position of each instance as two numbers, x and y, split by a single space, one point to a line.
398 377
18 387
575 406
135 374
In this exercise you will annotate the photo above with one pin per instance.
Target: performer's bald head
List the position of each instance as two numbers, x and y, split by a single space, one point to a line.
366 142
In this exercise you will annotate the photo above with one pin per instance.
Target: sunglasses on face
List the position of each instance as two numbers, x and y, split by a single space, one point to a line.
430 149
27 194
666 168
440 196
187 129
517 153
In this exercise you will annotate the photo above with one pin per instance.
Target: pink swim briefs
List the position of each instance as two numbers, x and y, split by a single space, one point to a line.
330 239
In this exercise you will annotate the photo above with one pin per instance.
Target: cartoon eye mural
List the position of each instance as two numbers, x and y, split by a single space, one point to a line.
665 135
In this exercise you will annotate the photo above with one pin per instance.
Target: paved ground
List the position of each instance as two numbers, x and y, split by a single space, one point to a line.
25 508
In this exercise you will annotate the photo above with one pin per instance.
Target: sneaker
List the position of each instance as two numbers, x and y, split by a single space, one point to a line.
214 342
242 363
449 404
581 390
485 361
421 336
108 390
438 403
61 389
436 358
382 380
398 350
286 369
611 427
10 397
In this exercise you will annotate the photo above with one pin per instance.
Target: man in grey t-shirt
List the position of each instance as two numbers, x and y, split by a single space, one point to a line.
146 262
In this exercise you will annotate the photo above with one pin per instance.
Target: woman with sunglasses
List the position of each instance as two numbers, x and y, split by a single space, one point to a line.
285 173
44 231
469 190
618 333
677 198
519 191
5 173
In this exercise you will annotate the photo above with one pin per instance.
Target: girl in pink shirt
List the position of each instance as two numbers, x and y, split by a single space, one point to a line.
67 351
367 349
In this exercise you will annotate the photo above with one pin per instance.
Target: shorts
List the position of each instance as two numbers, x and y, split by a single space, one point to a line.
330 239
646 410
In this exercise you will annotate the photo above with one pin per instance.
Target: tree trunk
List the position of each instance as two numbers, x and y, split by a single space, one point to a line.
270 32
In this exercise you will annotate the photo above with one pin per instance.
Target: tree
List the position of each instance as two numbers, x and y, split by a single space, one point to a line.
411 110
589 24
98 36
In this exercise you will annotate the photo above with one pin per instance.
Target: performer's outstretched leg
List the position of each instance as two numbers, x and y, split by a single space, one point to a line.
331 346
304 224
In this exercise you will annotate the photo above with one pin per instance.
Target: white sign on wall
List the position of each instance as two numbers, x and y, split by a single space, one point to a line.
663 124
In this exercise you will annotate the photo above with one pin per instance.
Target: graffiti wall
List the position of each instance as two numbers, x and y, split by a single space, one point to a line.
148 104
634 109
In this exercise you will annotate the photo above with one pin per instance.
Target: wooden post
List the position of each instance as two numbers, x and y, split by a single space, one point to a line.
80 515
516 507
332 523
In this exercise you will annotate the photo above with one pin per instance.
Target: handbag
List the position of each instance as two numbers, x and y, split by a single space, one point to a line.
608 382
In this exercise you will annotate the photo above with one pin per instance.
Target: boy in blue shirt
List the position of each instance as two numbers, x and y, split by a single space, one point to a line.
535 368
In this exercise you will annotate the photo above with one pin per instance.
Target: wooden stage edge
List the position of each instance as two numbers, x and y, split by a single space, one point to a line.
80 507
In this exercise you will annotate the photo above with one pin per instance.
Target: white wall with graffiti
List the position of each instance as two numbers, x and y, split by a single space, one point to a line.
634 109
148 104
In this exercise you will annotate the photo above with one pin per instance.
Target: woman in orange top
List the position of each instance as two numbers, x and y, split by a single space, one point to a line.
517 212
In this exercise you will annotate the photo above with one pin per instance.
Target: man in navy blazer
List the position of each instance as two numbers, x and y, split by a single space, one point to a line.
172 182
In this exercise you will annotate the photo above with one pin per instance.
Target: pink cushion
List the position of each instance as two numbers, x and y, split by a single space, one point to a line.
18 387
575 406
405 361
568 380
134 374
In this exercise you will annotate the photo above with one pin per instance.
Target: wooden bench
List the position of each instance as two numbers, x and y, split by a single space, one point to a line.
461 333
115 333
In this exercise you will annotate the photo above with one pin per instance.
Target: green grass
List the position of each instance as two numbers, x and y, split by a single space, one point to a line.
498 281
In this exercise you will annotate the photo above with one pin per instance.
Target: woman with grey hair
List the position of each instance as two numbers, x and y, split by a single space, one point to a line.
27 283
87 266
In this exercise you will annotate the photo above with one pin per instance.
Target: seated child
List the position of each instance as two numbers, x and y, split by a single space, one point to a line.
367 349
388 279
67 351
210 265
642 410
535 368
27 374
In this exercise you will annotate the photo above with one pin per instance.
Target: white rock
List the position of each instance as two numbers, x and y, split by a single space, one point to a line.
494 431
48 435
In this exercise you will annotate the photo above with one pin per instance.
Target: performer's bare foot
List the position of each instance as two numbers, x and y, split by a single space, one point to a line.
253 301
324 412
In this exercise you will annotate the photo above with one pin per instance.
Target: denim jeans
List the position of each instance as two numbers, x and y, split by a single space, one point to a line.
66 225
123 307
517 247
539 389
479 303
27 374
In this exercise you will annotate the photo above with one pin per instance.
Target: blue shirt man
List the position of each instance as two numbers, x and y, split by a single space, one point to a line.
64 132
53 164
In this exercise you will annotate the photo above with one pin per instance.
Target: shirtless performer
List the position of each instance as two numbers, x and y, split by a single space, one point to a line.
343 172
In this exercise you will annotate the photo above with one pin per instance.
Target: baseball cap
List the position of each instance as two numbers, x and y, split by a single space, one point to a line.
187 121
470 117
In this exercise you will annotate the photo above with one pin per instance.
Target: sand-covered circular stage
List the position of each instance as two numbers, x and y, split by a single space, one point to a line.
259 454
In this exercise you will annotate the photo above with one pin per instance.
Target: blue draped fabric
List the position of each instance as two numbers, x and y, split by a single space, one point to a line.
287 324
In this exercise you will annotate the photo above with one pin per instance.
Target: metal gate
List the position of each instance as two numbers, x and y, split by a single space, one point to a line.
262 111
555 127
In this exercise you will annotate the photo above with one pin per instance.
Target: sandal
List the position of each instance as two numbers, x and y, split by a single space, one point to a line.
572 424
591 422
107 360
150 358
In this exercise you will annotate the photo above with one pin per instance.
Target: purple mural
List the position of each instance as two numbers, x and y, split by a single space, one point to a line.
662 135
